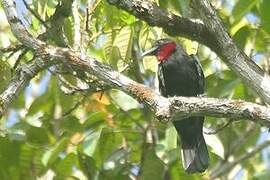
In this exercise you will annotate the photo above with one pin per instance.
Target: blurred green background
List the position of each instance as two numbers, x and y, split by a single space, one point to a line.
51 132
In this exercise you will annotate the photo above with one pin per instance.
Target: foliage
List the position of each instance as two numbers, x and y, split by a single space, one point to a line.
109 135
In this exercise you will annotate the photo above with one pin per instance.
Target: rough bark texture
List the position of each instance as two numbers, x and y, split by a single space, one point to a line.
19 81
164 108
211 32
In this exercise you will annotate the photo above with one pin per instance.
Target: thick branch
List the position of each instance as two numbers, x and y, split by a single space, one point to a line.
212 33
234 57
169 22
164 108
19 81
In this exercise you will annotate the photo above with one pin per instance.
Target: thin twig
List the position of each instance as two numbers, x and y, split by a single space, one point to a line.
228 166
77 26
80 102
219 128
19 59
127 114
12 48
35 14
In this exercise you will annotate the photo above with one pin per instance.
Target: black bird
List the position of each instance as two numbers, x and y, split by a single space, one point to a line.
181 75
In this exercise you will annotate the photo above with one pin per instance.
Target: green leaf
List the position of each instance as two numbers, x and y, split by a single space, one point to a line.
265 15
41 103
87 165
91 142
215 143
69 30
241 36
109 142
150 63
5 74
261 43
127 18
176 171
123 41
170 138
64 167
9 158
71 124
37 135
30 156
242 7
125 101
52 154
151 166
95 119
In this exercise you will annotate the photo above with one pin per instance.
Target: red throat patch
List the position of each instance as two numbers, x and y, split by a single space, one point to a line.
165 51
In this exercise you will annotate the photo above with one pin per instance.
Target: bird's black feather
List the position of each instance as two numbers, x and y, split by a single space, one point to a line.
182 75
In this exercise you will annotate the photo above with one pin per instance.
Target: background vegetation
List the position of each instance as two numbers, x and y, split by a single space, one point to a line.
59 127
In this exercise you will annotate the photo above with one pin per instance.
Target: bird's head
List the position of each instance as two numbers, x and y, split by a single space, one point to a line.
162 49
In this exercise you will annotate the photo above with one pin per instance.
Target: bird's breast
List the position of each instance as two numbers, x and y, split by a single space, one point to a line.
179 79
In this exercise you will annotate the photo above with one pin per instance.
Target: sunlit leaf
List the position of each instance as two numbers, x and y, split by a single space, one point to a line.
151 166
242 7
216 145
265 15
37 135
125 101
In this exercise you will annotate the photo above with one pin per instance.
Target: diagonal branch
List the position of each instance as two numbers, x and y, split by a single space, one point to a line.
211 32
19 81
226 167
165 109
235 58
169 22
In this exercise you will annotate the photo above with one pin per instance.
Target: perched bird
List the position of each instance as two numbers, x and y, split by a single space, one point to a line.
181 75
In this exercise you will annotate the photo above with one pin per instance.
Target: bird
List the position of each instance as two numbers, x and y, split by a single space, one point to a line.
180 74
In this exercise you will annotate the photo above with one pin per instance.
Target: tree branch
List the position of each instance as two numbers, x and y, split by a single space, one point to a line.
169 22
165 109
228 166
212 33
21 78
235 58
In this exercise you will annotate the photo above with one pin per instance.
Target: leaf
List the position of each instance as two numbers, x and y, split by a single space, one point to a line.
215 143
242 7
65 166
150 63
265 15
127 18
41 103
9 158
69 30
71 124
108 142
52 154
151 166
170 138
176 171
37 135
123 41
91 142
95 119
262 40
5 74
241 36
125 101
30 157
87 165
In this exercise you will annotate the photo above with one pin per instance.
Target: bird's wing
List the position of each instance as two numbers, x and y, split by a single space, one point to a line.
161 81
199 72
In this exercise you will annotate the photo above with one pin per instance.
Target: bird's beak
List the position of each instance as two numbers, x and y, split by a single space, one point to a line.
150 52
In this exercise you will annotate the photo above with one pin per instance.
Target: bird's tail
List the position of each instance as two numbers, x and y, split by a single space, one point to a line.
194 152
195 158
